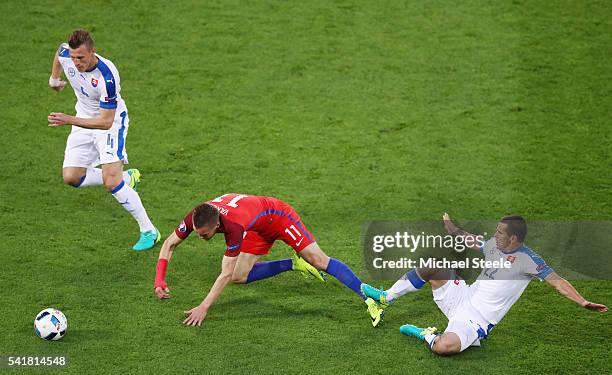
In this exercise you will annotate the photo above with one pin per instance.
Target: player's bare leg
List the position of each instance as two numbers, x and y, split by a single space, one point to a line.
448 343
80 177
315 256
244 264
112 176
436 277
73 176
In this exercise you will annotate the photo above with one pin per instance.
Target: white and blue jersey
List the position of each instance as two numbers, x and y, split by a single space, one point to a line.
94 89
497 289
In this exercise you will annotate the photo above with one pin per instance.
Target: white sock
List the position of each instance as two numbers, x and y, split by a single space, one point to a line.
410 282
400 288
430 339
127 178
93 177
130 200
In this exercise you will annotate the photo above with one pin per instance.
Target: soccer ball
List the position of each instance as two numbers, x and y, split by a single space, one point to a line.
50 324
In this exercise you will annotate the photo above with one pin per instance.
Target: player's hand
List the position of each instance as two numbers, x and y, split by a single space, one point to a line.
56 84
162 293
448 224
58 119
195 316
59 87
595 306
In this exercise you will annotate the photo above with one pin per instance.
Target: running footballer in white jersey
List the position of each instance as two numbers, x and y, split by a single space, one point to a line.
99 129
473 310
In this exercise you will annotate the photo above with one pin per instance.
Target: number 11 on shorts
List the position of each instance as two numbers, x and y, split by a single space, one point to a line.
290 233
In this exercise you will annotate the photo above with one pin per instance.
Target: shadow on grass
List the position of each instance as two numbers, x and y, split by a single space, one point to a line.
246 307
83 337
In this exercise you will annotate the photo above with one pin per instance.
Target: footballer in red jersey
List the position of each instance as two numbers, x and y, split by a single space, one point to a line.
251 224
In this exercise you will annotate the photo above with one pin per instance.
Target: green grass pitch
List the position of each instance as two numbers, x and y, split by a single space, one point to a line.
349 110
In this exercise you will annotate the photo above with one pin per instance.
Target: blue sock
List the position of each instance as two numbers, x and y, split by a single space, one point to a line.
263 270
345 275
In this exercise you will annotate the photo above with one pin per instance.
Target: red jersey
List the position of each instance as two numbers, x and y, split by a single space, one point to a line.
239 214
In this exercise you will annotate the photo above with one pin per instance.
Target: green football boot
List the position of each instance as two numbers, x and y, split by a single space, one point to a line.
147 240
299 264
135 175
378 295
375 311
419 333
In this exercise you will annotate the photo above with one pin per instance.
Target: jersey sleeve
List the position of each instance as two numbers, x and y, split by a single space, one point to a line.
63 56
234 233
535 266
63 51
185 227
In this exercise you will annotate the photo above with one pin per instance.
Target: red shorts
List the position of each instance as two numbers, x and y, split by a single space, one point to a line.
284 224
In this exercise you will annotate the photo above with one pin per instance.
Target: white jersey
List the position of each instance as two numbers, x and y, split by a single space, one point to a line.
497 289
94 89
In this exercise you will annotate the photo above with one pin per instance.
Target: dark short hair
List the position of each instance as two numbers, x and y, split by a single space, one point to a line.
205 215
515 226
80 37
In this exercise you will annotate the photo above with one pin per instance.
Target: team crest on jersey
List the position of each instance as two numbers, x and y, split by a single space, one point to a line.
94 82
71 72
511 258
182 227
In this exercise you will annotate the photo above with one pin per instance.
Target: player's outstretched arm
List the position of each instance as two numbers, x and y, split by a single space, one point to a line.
196 315
160 286
104 121
454 230
565 288
55 81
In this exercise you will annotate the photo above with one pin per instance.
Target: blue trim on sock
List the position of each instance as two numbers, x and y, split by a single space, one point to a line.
345 275
415 279
433 341
80 181
263 270
118 187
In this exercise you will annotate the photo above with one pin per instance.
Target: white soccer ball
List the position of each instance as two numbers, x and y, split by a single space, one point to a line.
50 324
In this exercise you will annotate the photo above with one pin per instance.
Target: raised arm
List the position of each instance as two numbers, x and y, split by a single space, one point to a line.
453 230
161 288
196 315
566 289
56 72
